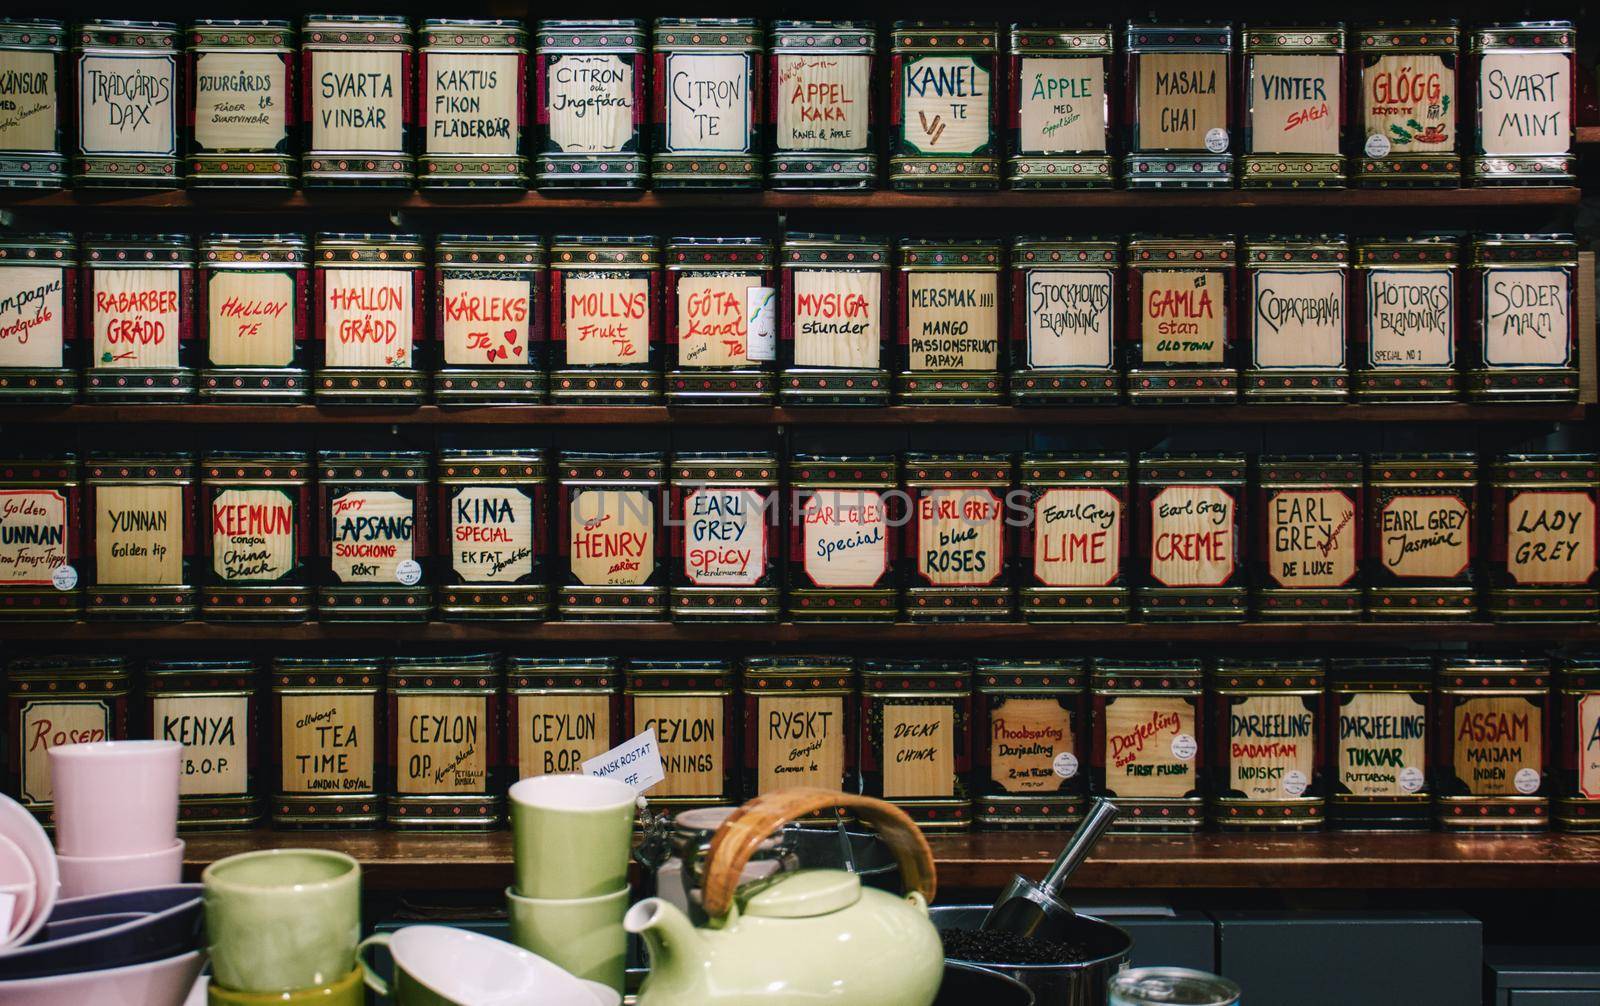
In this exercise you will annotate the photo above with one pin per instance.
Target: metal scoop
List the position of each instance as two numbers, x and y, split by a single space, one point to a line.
1027 909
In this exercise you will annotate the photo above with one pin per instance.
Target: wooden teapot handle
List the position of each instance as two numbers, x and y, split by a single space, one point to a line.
749 826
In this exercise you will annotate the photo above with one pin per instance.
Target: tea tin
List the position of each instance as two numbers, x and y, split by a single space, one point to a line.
1059 116
944 106
54 700
1407 107
446 719
590 77
1526 80
1492 744
1294 116
1378 776
1297 323
211 707
1578 744
560 712
1406 292
376 536
494 532
360 92
1073 555
259 536
690 705
41 538
39 311
611 529
244 95
1523 318
835 346
1031 731
1309 511
823 132
801 723
707 103
129 94
371 318
1268 772
726 511
255 302
843 538
1147 750
138 307
327 721
472 104
721 321
32 76
1179 101
1180 323
959 551
605 320
949 322
1064 320
141 536
916 739
1543 563
489 318
1422 535
1191 537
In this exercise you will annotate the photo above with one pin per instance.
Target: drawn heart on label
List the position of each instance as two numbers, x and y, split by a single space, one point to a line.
518 350
511 336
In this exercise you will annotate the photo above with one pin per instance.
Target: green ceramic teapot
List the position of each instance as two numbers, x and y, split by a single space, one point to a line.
797 938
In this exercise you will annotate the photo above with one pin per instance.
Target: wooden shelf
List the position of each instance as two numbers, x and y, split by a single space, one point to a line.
1588 134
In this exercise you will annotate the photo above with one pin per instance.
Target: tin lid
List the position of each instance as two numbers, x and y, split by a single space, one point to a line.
718 253
1067 251
374 466
1290 469
268 250
362 31
1034 39
465 465
1546 35
223 668
146 465
42 248
882 672
533 665
980 37
1467 671
470 663
1149 249
1061 674
834 251
113 32
471 33
578 251
799 673
1456 466
680 674
1417 249
708 33
845 469
1074 467
1579 663
959 469
33 33
720 467
76 665
258 34
1186 36
1173 987
489 249
797 663
141 251
336 670
949 254
1418 670
1525 249
622 35
607 467
346 249
62 467
1190 467
825 36
1268 674
256 465
1434 35
1146 672
1293 39
1553 470
1309 249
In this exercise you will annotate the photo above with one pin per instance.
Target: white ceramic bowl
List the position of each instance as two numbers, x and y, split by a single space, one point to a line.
82 876
158 983
20 827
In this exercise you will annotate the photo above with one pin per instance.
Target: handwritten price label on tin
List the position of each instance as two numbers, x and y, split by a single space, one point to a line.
636 761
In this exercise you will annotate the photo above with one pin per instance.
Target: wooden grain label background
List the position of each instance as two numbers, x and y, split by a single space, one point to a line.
1311 537
1270 737
328 744
367 317
215 733
607 320
250 318
1077 538
1410 318
1589 746
799 741
136 317
1550 537
252 535
1294 104
1299 317
356 100
724 537
561 732
823 101
1425 536
846 537
1525 103
491 534
1381 734
689 732
232 117
945 103
138 534
31 311
953 320
370 533
836 317
128 104
486 321
1495 738
1141 733
1182 96
29 99
918 750
613 537
471 104
1410 100
1063 104
708 101
1025 735
1070 317
713 330
1192 536
1525 320
1185 316
442 743
43 725
590 103
960 537
33 535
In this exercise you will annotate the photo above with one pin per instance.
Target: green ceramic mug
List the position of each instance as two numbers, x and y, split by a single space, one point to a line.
282 920
444 966
572 835
582 935
347 991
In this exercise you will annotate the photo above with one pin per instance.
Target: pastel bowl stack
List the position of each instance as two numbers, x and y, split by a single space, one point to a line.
116 814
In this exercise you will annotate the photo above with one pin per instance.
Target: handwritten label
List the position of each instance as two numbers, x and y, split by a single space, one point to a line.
918 750
1193 533
441 743
1383 744
29 99
708 101
1294 104
370 532
1497 738
1408 100
1550 537
1026 737
724 537
1272 742
1410 318
250 318
799 741
1077 538
32 306
215 733
952 321
1525 103
45 725
367 317
33 536
136 317
1185 316
356 100
613 537
636 761
328 744
607 320
127 104
761 307
240 100
491 534
945 104
1525 317
1063 104
836 318
713 327
559 733
1182 97
486 321
689 729
1070 318
823 101
1299 318
1311 538
470 99
252 535
138 534
1425 537
1588 739
960 537
590 103
1150 746
845 537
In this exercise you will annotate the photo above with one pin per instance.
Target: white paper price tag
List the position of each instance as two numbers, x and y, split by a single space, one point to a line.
761 307
636 761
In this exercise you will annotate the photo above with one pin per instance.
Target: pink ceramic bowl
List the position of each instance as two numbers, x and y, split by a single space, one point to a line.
82 876
158 983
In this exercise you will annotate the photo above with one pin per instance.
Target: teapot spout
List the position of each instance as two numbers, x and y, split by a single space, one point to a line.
675 947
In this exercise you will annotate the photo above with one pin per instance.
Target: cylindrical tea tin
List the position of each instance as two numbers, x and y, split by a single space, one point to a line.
41 539
141 531
1191 537
138 307
690 705
959 551
560 712
1146 753
1406 292
611 529
835 337
1309 511
800 723
1267 772
39 310
843 538
76 699
1492 744
211 708
1294 121
1378 743
244 105
494 533
1064 320
823 111
375 534
32 85
371 318
605 320
446 717
1158 986
1074 556
255 303
944 105
1578 744
1527 98
590 82
1523 316
949 323
1179 105
1422 535
360 88
258 536
916 739
326 720
725 516
1297 320
707 103
472 104
1059 116
1407 104
1543 562
489 317
721 321
129 101
1030 735
1180 325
